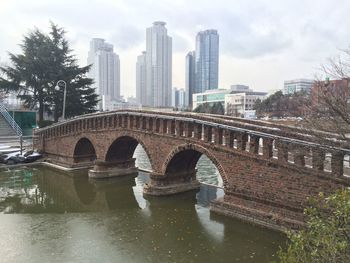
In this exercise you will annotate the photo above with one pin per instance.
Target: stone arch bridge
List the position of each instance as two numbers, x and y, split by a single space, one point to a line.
268 170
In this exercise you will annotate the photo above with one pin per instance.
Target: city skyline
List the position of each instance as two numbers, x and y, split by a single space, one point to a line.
261 44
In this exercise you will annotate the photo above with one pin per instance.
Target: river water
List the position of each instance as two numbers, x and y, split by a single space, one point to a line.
53 216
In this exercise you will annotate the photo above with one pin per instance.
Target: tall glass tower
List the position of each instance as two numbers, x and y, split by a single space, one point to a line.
141 84
105 70
158 65
190 78
207 60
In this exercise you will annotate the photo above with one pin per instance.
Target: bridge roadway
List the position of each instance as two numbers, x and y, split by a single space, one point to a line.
268 170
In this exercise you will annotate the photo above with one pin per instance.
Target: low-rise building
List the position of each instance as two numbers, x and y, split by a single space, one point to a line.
210 97
241 104
297 85
238 101
11 101
338 88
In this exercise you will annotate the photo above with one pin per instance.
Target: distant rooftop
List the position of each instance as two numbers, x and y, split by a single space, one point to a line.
215 90
208 31
299 80
240 87
250 92
159 23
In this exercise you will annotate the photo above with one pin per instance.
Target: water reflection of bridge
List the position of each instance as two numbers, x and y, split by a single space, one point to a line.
114 215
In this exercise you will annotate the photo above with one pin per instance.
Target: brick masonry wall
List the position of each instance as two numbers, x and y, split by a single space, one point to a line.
256 186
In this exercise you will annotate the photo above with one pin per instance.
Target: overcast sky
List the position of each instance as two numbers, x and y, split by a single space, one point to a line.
262 42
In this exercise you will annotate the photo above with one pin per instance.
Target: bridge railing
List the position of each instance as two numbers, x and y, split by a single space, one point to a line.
269 143
10 120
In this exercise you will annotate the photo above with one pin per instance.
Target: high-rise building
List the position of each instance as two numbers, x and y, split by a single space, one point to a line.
182 96
178 98
141 97
207 60
158 66
174 97
105 71
190 78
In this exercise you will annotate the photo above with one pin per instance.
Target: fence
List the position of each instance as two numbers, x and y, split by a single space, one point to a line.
10 120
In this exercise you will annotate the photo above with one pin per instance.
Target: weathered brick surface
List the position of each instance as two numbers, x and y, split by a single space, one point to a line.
257 185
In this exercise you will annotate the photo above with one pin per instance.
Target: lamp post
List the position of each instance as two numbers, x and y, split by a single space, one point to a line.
64 96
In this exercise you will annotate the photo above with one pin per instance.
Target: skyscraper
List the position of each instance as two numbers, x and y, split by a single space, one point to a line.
105 71
178 98
207 60
190 78
158 66
141 79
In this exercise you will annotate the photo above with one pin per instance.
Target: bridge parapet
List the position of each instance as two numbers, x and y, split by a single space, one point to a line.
288 146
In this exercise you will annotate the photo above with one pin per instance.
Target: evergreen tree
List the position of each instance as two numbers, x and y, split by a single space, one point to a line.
280 105
45 59
216 108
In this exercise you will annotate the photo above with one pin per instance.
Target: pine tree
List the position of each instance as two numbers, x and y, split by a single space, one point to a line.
45 59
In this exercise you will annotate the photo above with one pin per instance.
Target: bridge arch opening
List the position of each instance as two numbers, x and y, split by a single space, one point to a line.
84 151
127 148
142 160
207 172
192 163
327 162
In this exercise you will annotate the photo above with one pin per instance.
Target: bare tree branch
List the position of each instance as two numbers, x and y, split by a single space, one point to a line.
329 109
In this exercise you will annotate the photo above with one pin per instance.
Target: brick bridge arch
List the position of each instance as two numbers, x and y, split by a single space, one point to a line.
268 170
185 158
84 151
123 148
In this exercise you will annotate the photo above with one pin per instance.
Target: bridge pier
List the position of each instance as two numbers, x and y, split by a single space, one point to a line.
103 169
270 216
161 185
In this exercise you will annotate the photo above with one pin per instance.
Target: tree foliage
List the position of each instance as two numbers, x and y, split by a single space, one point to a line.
215 108
326 238
280 105
3 93
45 59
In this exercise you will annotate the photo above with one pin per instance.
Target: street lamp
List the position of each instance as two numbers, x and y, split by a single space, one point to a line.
64 96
